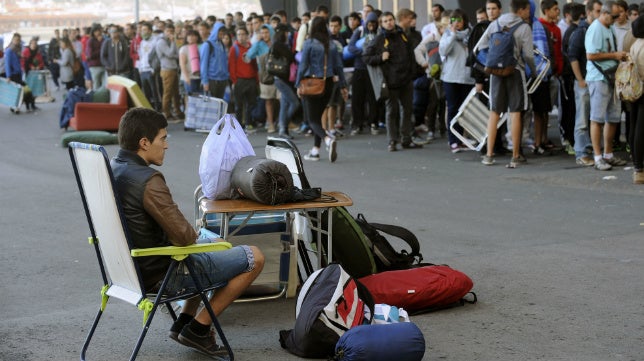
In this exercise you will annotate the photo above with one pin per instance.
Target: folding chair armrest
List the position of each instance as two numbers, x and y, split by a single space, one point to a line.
179 253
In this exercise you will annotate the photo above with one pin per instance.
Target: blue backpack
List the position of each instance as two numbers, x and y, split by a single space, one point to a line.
500 59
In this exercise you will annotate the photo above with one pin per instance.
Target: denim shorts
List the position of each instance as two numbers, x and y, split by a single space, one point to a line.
604 107
213 269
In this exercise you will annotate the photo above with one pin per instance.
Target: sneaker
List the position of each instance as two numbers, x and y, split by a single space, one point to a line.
585 161
333 151
422 128
602 165
374 130
411 145
205 344
570 149
616 161
455 148
541 151
312 157
271 129
420 140
355 132
514 163
34 108
392 147
487 160
430 136
520 159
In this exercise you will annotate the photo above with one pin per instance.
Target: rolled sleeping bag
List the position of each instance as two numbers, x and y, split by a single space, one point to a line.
394 341
193 54
263 180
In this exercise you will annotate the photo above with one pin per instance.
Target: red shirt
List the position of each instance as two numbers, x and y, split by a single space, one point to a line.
84 40
237 67
134 49
557 56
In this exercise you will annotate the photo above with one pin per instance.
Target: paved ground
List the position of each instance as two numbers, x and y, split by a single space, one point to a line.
556 252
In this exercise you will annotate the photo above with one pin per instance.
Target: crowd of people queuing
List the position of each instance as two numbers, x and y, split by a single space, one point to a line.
414 97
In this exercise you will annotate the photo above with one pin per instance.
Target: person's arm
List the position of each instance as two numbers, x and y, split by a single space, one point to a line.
105 57
232 64
353 49
158 203
446 43
183 59
420 53
372 54
204 56
304 63
576 69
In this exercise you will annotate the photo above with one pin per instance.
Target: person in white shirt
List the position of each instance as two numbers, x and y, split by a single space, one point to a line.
148 79
432 29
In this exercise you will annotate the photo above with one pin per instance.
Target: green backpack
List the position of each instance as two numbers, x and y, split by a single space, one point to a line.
350 247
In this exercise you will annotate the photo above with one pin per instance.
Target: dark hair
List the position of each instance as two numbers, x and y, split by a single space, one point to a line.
577 11
439 6
195 33
322 9
480 11
138 123
386 13
319 31
336 19
296 20
307 14
242 28
280 13
622 4
591 4
567 8
146 24
496 2
354 15
516 5
633 7
280 34
548 4
458 13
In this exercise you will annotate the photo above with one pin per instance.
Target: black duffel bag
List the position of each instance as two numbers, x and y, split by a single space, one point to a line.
262 180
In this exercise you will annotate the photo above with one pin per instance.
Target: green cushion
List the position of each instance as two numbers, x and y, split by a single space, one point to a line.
101 95
89 136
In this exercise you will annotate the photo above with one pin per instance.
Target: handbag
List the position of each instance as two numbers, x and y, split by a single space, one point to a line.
277 66
265 77
225 145
313 86
293 72
378 82
203 111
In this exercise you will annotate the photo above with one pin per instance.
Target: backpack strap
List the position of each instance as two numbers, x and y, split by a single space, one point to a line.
400 232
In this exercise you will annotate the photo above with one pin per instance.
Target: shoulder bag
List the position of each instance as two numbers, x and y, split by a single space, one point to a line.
313 86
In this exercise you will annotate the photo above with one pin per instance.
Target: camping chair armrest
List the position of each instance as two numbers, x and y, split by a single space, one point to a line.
180 253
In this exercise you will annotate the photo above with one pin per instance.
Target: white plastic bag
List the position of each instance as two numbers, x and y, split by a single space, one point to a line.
225 145
389 314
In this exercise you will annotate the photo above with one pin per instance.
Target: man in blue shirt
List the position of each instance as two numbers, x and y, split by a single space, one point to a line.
605 109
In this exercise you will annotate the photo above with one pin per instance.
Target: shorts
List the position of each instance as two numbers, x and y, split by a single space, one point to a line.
213 269
541 101
508 93
267 91
604 107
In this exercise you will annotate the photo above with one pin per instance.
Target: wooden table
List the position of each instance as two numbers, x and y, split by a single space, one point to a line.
228 208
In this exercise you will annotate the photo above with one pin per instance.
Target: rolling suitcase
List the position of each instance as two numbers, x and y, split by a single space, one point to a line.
11 93
203 112
36 81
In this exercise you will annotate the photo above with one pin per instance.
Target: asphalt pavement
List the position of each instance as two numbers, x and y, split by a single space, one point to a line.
556 251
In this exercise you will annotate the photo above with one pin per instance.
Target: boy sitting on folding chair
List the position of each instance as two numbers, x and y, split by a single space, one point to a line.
154 220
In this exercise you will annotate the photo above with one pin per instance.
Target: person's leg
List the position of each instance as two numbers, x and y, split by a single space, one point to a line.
358 99
406 99
582 114
223 297
176 98
392 115
517 128
167 93
282 121
609 133
492 123
637 136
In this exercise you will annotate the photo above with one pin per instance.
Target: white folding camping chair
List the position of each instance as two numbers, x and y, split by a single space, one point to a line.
285 151
109 235
473 114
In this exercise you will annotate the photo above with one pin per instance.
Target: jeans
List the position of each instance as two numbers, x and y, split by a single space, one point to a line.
288 105
582 116
455 94
149 87
400 129
98 76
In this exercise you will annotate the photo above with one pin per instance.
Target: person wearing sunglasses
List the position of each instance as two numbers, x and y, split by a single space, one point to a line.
456 75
